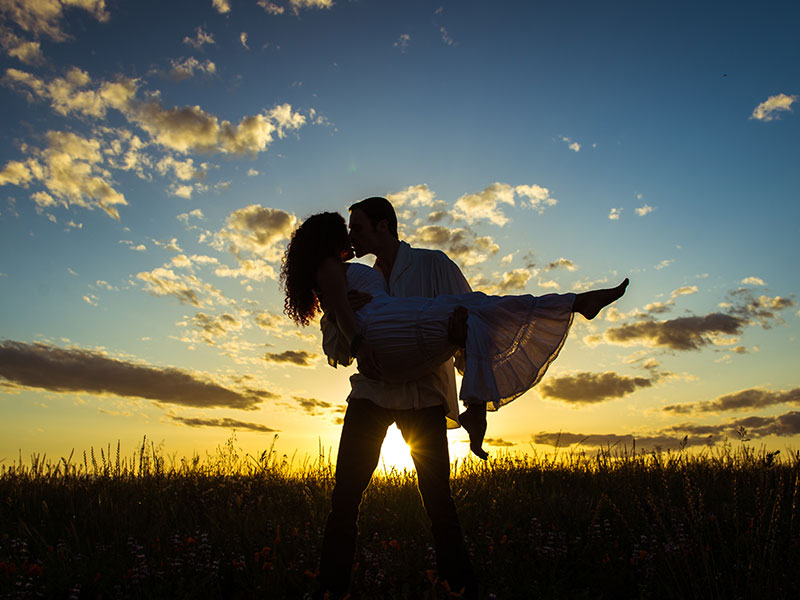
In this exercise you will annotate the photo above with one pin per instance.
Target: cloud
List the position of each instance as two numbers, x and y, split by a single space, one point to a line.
71 168
682 333
243 39
271 7
485 204
402 42
446 37
312 406
591 388
510 282
563 439
413 195
574 146
753 281
216 325
644 210
498 442
664 264
257 230
188 289
223 6
43 17
201 38
771 107
77 370
460 244
186 129
185 69
741 400
300 358
762 310
614 214
561 263
686 290
26 51
226 423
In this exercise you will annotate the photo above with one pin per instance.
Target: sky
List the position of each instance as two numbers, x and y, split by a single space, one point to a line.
156 157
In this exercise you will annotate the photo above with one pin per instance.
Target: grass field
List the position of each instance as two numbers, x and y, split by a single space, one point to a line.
721 524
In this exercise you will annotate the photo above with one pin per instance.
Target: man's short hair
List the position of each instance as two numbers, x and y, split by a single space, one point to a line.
378 209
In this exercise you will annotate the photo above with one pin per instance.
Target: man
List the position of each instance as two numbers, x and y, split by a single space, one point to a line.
419 408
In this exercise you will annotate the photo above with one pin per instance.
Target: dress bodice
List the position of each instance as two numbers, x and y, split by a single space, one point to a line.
366 279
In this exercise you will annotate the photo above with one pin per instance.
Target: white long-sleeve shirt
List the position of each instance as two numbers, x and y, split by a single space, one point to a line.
416 272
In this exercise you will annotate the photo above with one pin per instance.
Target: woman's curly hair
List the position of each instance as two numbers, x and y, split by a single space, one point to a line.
320 236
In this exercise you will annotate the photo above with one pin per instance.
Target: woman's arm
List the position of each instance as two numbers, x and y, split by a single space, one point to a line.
332 284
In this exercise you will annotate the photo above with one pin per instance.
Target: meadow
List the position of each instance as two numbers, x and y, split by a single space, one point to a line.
720 523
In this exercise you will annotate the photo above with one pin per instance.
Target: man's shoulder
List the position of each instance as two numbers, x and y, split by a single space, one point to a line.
430 254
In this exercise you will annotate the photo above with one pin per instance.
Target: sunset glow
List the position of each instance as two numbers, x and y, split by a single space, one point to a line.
156 157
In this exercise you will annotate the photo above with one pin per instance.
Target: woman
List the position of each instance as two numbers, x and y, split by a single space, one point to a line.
510 341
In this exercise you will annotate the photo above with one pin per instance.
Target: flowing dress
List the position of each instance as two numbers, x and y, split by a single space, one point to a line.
511 340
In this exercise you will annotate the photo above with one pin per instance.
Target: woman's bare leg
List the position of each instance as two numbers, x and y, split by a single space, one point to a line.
474 421
590 303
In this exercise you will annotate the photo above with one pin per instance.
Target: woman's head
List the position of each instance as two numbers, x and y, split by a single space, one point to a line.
318 237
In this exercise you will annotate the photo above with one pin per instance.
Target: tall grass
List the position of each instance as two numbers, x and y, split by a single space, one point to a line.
723 523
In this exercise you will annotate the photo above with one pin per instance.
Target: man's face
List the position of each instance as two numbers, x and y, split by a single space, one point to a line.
363 235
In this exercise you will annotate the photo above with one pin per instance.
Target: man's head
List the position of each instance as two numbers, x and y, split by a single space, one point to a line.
373 225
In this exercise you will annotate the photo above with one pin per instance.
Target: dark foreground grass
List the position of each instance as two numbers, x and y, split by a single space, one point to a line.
722 524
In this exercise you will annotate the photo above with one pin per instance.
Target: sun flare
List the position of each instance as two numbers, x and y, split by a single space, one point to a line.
395 453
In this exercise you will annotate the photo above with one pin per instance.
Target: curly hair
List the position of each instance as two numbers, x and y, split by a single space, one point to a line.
320 236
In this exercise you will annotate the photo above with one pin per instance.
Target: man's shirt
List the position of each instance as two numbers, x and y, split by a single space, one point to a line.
416 272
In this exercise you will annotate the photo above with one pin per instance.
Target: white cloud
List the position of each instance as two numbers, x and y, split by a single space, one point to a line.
402 42
43 17
26 51
186 68
201 38
643 210
664 263
256 230
614 214
574 146
753 281
223 6
460 244
271 7
538 196
686 290
446 37
415 195
243 39
771 107
484 204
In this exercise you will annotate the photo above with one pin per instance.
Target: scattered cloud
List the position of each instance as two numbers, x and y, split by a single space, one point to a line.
225 423
186 68
614 214
753 281
446 37
771 108
243 40
752 398
682 333
592 388
256 230
222 6
43 18
271 7
460 244
312 406
299 358
78 370
561 263
413 195
187 288
664 264
201 38
402 42
510 282
498 442
574 146
644 210
486 203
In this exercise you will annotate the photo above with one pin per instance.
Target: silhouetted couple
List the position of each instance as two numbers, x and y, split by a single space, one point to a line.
404 320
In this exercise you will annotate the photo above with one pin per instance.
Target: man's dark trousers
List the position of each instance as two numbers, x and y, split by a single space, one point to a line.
425 431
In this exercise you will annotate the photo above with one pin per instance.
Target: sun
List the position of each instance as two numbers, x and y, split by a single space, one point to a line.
395 452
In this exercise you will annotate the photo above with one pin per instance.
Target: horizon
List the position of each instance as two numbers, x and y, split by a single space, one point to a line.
156 160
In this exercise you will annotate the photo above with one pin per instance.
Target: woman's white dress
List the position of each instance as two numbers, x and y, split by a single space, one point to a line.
511 340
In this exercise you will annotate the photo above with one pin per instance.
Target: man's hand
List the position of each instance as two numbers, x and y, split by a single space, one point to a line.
457 327
367 361
358 299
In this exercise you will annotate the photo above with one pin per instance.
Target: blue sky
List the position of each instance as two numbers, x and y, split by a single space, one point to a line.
155 159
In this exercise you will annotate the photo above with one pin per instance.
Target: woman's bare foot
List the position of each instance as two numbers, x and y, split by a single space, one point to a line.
590 303
474 421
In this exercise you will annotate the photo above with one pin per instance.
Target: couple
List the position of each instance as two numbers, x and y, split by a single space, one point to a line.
403 321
